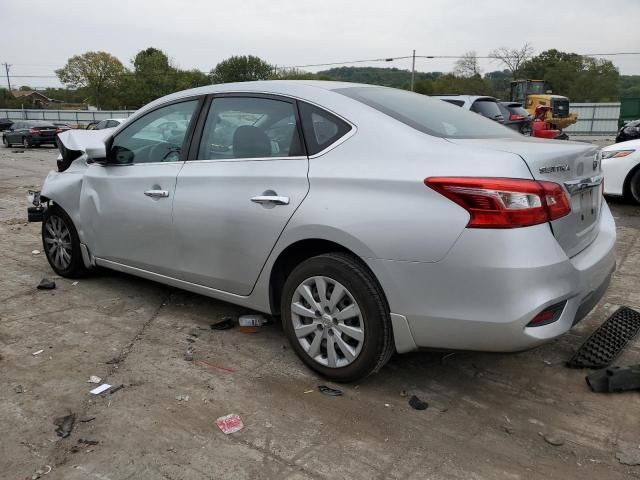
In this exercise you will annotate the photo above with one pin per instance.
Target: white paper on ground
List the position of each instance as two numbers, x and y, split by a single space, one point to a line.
102 388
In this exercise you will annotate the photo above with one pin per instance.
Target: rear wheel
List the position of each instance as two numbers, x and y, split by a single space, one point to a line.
61 243
5 141
25 142
336 318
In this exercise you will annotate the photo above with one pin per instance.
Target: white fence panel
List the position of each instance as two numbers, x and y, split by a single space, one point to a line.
81 117
595 119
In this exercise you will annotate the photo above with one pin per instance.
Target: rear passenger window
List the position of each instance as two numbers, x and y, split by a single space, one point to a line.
250 127
321 128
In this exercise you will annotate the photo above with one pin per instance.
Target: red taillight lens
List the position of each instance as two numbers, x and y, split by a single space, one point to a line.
548 315
503 202
515 116
33 130
58 130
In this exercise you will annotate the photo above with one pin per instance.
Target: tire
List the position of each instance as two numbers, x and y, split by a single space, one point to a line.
25 142
350 358
58 235
633 193
5 142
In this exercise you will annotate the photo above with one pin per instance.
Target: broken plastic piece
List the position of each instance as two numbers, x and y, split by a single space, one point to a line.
251 320
46 284
38 352
332 392
417 404
64 425
94 379
231 423
225 324
102 388
615 379
35 252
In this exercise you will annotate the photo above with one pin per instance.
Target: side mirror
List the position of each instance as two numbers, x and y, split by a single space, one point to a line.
96 154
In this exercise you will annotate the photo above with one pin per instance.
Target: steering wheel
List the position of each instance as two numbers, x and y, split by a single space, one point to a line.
164 152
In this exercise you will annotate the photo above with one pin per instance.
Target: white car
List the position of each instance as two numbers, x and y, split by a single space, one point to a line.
621 168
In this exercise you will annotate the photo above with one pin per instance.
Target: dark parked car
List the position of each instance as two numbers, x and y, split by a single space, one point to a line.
30 133
516 117
481 104
5 123
629 131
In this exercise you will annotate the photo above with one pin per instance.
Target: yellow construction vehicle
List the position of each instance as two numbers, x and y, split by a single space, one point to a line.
532 93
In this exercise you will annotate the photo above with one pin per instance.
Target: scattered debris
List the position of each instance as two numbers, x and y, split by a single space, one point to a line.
195 332
114 361
65 425
387 405
614 379
251 320
553 440
74 283
213 365
18 389
19 151
191 340
101 389
88 442
332 392
508 428
231 423
225 324
417 404
45 470
119 387
629 456
37 353
83 443
86 419
35 252
94 379
403 393
188 355
181 398
247 329
309 391
46 284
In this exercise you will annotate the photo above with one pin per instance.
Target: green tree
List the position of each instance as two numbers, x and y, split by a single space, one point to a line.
97 72
241 69
580 78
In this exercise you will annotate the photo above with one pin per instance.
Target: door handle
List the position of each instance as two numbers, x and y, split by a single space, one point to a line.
272 199
157 193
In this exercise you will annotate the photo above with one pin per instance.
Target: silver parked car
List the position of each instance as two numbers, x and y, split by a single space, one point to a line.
373 220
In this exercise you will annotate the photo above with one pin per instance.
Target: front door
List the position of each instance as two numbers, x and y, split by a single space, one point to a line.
234 198
126 205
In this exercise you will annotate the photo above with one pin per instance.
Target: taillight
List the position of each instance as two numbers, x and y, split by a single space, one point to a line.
548 315
503 202
515 116
33 130
58 130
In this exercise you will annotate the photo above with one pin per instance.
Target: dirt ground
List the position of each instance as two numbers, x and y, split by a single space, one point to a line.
490 416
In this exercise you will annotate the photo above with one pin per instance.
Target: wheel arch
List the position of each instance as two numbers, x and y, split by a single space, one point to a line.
626 185
297 252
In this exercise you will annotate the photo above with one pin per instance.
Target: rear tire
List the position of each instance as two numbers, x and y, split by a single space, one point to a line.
61 243
25 143
5 141
343 338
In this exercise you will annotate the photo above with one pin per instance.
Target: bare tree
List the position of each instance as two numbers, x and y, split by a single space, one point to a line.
467 65
513 58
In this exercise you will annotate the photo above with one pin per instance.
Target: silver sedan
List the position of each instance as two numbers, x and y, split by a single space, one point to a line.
371 220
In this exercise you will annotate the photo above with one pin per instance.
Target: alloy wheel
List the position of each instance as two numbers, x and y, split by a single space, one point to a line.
25 142
327 321
57 241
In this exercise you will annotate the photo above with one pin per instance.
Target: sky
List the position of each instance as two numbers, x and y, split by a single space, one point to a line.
200 33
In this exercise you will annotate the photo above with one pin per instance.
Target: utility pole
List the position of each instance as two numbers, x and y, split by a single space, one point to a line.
413 69
6 69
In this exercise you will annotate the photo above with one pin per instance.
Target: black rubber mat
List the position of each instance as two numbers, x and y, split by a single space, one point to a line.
606 343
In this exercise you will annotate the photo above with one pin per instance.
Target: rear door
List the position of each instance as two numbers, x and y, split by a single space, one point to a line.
246 176
575 166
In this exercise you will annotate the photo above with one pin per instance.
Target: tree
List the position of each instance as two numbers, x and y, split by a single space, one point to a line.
513 58
467 65
241 69
97 72
577 77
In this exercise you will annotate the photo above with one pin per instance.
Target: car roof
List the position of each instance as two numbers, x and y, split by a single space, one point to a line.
470 98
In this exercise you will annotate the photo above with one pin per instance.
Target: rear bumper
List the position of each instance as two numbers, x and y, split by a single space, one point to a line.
37 140
492 283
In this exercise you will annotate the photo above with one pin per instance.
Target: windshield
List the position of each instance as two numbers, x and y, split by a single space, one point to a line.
427 115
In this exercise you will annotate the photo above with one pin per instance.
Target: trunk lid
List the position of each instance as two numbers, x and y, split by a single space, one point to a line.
575 166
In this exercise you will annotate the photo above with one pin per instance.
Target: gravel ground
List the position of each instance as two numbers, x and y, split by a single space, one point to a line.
490 416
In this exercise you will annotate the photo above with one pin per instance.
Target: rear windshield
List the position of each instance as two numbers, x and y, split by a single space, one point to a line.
428 115
488 108
518 110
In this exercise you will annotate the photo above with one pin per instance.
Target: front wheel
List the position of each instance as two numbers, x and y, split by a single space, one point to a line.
634 187
5 141
336 318
25 142
61 243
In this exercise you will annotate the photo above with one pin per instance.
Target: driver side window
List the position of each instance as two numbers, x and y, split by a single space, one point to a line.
156 137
